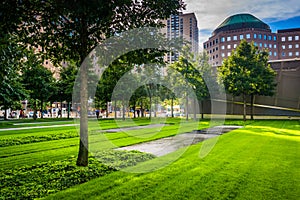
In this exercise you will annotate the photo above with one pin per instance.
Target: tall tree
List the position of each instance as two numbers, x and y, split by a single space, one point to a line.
66 82
39 82
70 29
12 62
247 72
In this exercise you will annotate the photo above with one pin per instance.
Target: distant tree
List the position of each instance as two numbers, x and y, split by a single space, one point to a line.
12 62
66 82
247 72
39 82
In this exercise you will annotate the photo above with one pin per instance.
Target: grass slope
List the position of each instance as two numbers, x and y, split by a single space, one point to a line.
260 161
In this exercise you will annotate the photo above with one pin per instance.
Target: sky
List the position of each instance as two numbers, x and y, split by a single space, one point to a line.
278 14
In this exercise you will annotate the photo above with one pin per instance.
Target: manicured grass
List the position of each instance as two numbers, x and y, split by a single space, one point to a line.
260 161
32 153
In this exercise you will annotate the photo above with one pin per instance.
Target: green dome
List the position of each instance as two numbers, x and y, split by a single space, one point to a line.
240 21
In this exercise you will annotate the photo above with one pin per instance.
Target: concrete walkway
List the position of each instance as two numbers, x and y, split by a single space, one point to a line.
32 127
168 145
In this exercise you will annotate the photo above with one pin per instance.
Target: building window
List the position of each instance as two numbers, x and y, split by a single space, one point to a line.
222 39
222 47
259 36
229 46
297 53
265 45
283 46
283 39
241 37
270 46
204 46
217 56
290 46
248 36
217 41
290 38
265 37
223 55
296 46
270 53
283 54
275 53
297 37
290 53
254 36
260 44
274 38
217 48
275 46
270 37
234 37
255 44
228 38
235 45
229 54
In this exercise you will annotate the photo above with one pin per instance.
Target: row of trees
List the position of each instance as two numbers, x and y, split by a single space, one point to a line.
70 29
24 77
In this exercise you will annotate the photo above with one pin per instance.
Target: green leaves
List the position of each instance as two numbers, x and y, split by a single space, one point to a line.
247 71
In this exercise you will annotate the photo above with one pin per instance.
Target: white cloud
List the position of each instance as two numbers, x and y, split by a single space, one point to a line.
211 13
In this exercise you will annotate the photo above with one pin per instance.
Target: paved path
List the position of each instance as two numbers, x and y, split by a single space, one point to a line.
134 128
32 127
167 145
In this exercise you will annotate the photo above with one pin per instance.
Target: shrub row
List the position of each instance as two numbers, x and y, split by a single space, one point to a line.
42 179
32 139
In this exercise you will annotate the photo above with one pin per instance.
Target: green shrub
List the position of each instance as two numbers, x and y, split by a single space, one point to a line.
4 142
45 178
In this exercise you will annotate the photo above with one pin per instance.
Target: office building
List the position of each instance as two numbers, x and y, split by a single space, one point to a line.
182 26
226 37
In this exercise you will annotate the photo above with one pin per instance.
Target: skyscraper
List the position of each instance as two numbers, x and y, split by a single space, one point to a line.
182 26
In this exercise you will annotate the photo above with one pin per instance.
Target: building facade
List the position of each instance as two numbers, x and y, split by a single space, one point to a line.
226 37
182 26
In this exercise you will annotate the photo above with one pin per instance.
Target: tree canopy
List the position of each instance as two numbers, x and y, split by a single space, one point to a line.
247 72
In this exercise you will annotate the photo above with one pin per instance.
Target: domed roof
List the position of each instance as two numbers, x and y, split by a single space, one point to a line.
241 21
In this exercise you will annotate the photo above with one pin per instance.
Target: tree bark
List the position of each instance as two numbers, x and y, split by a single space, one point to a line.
195 117
244 107
68 109
252 109
82 159
172 107
115 109
41 113
186 107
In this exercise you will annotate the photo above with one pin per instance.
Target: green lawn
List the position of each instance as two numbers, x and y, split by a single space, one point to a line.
261 161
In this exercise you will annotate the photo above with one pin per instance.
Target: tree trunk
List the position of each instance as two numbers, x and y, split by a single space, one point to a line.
35 111
115 109
5 110
172 107
252 109
41 112
244 106
195 114
186 108
202 109
107 111
123 110
150 113
68 109
134 116
82 159
142 110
